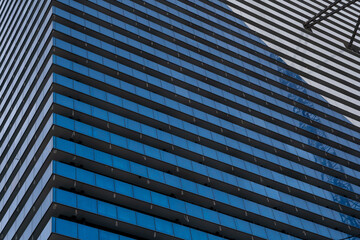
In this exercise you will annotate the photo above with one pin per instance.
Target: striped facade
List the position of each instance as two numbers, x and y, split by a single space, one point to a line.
178 119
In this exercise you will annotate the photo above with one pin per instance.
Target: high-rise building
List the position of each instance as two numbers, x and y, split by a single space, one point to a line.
178 119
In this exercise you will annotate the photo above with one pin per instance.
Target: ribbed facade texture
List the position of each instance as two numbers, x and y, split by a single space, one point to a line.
178 119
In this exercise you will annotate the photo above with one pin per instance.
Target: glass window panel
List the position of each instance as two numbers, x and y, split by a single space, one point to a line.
177 205
83 107
138 169
205 191
152 152
66 198
243 226
63 226
87 204
65 170
65 145
159 199
194 210
196 234
103 158
164 226
83 128
210 216
119 140
142 194
101 134
86 232
126 215
182 231
85 176
227 221
121 164
168 157
156 175
145 221
172 180
103 235
124 238
221 196
136 146
84 152
259 231
64 121
99 113
104 182
124 188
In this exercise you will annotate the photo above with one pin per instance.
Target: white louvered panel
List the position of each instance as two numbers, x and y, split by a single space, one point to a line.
271 26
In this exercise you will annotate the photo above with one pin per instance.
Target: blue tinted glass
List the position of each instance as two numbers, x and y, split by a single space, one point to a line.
207 85
145 221
87 204
88 233
107 235
66 198
126 215
63 226
159 199
107 210
65 170
196 234
103 158
85 176
123 188
182 232
105 182
142 194
164 226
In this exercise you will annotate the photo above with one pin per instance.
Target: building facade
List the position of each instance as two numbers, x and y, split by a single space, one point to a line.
178 119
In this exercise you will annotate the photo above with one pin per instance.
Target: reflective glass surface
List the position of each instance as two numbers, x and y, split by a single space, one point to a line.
131 119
